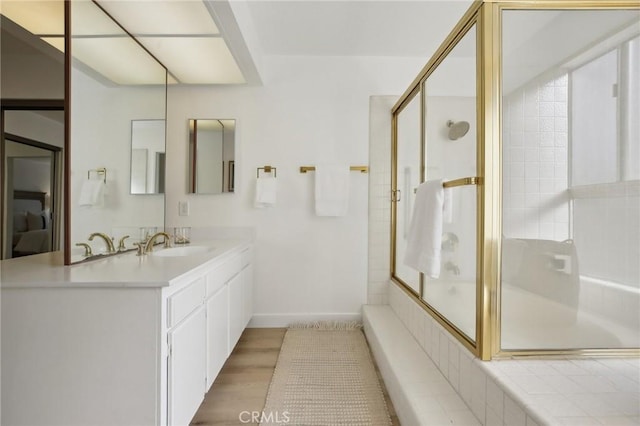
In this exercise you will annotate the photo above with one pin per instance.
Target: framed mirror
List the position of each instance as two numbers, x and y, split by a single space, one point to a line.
211 156
147 156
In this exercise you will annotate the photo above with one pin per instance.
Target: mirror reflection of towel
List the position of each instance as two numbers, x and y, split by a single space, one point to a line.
424 241
92 193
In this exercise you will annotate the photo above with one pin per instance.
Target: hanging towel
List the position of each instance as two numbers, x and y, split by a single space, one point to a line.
425 232
448 206
332 190
92 193
265 192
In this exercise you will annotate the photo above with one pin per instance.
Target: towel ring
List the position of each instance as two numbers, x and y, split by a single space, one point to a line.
100 171
266 169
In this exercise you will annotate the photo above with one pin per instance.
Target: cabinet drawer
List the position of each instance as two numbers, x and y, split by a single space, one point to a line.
185 301
222 274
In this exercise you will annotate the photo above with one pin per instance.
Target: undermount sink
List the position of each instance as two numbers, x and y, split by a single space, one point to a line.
182 251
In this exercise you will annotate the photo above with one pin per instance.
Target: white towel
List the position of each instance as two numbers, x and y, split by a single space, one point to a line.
92 193
265 192
332 189
425 232
448 206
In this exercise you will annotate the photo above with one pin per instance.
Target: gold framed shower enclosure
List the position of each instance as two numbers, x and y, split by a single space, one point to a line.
485 20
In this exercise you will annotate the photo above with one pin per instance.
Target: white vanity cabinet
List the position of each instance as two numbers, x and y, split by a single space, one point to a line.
142 350
186 347
206 318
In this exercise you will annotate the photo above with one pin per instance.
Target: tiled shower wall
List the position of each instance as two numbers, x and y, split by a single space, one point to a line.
379 193
535 155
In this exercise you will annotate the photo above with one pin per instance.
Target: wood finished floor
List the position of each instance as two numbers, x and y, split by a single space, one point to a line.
243 382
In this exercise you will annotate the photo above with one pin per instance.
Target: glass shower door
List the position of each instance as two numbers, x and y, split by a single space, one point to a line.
407 178
451 156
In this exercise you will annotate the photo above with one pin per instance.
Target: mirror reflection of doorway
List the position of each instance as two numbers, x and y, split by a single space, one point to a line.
32 182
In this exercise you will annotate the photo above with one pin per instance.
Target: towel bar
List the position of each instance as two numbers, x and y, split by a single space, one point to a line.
472 180
361 169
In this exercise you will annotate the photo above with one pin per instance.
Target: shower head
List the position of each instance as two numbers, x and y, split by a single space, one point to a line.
458 129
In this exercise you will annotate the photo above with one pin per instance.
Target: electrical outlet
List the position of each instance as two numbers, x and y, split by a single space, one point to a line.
183 208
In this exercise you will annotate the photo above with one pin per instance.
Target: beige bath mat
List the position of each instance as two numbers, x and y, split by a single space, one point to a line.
325 376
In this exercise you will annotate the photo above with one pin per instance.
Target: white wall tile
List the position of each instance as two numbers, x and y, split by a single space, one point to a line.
492 418
478 390
513 414
495 396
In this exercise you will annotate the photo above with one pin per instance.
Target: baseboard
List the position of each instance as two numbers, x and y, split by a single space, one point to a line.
283 320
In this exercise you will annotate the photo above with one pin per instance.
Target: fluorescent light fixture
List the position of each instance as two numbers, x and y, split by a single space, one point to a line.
181 34
88 20
196 60
162 17
37 17
121 60
57 42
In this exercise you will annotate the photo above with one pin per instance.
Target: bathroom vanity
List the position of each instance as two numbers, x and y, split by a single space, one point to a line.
127 340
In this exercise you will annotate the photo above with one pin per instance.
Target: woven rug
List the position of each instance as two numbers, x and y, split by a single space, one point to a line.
325 376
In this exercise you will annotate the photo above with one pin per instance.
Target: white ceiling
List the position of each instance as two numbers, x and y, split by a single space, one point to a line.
309 27
353 27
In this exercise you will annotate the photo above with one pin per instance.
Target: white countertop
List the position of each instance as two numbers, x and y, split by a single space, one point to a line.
47 270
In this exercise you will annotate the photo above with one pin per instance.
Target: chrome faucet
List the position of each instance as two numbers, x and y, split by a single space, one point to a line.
149 247
452 267
107 239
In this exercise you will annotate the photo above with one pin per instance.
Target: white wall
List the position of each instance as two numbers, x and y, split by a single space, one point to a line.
310 110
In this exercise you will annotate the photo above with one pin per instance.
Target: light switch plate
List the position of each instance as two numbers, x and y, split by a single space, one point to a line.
183 208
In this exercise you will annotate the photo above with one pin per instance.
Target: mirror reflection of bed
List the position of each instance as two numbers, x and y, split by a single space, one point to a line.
32 230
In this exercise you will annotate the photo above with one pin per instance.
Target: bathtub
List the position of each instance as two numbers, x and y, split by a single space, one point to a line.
529 320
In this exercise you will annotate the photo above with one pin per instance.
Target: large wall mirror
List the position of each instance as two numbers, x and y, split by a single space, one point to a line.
211 156
31 130
147 156
118 90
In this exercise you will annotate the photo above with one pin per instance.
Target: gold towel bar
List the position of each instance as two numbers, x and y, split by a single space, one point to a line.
361 169
100 171
266 169
473 180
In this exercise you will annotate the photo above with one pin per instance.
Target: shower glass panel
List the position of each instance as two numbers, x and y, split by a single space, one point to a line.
571 208
408 177
450 126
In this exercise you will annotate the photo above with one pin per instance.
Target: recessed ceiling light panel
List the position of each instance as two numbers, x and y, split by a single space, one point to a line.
162 17
196 60
37 17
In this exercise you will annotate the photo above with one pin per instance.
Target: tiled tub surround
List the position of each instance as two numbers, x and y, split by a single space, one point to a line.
526 392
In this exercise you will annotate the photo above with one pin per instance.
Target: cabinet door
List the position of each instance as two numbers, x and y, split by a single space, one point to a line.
236 309
187 370
247 280
217 333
